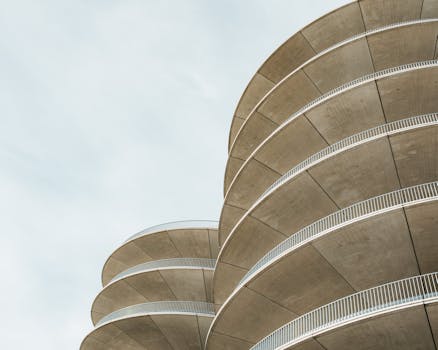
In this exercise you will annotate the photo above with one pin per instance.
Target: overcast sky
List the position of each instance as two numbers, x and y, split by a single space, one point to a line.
114 117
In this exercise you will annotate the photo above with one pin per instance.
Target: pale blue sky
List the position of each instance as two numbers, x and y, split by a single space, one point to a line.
114 117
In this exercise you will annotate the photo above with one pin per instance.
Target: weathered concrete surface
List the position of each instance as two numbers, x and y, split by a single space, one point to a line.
334 27
223 342
379 13
289 96
184 243
408 94
360 173
158 285
423 222
344 64
432 313
416 155
157 332
430 9
246 317
405 44
369 252
403 330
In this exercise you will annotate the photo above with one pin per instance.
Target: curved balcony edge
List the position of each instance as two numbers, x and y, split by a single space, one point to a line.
422 289
367 78
348 143
332 93
319 55
373 206
197 308
173 225
165 264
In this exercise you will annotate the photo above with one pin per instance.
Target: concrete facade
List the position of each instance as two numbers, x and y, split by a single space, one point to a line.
328 234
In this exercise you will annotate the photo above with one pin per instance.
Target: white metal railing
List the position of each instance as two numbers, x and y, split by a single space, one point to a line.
358 211
411 291
354 140
177 225
160 307
177 263
320 54
340 89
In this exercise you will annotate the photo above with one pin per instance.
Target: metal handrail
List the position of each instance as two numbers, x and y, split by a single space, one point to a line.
159 307
358 211
320 54
388 297
177 263
176 225
354 140
340 89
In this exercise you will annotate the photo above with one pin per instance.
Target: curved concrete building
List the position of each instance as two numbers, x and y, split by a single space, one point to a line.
328 234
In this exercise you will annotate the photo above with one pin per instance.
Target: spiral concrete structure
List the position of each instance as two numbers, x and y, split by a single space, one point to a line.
328 234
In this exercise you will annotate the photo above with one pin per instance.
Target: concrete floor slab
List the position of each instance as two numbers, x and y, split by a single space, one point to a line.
371 252
310 283
252 241
403 45
430 9
213 237
361 173
410 93
181 331
158 246
294 143
300 202
142 329
186 284
403 330
334 27
288 97
151 285
225 278
191 243
243 321
114 294
111 269
208 281
223 342
256 89
415 153
234 128
349 113
287 57
203 325
229 216
232 167
310 344
423 224
256 129
382 12
432 313
246 187
342 65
